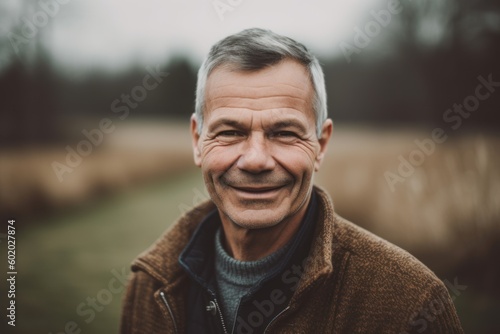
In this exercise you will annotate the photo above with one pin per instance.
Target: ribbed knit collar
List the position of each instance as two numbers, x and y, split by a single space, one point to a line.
244 273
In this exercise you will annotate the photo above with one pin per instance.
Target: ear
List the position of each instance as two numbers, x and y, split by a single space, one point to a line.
195 138
326 133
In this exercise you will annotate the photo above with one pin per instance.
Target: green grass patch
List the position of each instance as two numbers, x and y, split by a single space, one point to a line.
65 259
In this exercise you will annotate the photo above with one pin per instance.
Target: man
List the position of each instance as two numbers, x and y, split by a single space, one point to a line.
268 254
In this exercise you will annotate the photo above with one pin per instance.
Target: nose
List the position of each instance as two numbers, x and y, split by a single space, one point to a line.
256 157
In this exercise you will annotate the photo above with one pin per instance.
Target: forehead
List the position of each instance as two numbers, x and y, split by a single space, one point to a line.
284 85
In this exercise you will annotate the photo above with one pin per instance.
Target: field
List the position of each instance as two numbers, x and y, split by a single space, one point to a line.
74 240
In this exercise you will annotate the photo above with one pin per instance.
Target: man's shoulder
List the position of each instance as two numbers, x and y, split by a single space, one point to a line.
369 255
378 287
378 257
388 288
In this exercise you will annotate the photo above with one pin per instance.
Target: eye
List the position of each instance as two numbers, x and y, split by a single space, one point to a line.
230 136
285 134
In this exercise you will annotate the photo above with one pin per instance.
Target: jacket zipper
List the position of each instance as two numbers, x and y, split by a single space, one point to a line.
169 310
276 317
220 315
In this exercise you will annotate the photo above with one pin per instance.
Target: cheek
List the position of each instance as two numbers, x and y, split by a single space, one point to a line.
296 160
218 159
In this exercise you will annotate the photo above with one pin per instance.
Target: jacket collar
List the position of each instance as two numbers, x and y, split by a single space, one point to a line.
327 256
198 256
161 260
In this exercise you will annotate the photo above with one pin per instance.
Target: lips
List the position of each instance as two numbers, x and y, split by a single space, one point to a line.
259 189
255 186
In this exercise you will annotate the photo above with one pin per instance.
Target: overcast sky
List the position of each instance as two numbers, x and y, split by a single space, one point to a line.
115 33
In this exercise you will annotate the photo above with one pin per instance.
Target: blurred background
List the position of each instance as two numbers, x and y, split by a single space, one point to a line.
95 157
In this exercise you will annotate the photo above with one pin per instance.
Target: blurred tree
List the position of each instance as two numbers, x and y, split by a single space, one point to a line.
29 113
179 90
452 42
426 59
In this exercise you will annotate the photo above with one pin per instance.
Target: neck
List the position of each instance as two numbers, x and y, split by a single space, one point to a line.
254 244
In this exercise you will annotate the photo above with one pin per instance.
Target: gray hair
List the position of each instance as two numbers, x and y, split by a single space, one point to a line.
254 49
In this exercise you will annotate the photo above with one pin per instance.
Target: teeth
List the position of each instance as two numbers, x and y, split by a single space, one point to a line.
258 190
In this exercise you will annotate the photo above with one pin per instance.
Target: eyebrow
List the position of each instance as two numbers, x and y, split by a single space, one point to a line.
227 122
283 124
287 124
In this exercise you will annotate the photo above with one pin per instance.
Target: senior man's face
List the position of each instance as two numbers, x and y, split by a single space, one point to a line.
258 148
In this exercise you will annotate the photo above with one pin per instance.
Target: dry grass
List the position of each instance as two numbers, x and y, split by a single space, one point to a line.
132 154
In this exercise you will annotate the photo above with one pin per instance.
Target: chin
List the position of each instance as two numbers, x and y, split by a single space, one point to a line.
256 219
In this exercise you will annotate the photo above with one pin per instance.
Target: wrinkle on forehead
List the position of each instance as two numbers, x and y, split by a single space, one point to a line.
286 85
265 103
284 72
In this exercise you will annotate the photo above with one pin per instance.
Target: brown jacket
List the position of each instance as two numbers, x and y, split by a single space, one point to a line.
354 282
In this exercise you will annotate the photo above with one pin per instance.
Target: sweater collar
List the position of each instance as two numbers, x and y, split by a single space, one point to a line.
244 273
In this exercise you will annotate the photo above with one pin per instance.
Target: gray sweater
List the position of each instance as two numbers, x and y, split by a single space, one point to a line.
236 278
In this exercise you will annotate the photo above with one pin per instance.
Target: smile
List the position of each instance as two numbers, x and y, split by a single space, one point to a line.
257 192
